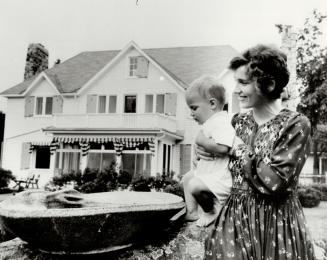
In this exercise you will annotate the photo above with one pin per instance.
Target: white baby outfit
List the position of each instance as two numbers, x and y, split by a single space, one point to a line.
215 174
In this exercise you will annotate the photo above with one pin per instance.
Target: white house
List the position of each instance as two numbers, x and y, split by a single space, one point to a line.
125 105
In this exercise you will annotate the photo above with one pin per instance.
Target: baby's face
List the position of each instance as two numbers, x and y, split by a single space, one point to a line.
200 107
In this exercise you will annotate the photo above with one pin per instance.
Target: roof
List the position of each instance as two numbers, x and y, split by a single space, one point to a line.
183 64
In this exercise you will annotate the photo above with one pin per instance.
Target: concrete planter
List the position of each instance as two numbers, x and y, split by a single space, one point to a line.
107 222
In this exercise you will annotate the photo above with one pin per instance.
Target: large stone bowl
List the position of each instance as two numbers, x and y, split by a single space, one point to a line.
116 220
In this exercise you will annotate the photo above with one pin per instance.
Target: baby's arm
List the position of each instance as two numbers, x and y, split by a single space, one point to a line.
210 145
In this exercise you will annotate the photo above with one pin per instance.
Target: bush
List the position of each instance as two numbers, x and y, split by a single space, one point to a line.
323 190
5 177
309 197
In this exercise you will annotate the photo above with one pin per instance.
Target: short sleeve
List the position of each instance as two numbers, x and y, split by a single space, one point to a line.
286 160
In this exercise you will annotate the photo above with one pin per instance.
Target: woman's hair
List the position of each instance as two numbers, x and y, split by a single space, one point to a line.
265 64
209 87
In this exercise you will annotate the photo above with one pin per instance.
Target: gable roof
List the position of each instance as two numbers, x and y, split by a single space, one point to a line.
183 64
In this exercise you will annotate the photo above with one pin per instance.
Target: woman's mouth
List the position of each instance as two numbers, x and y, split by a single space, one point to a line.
242 98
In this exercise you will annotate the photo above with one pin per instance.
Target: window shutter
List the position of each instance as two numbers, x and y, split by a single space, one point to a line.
25 156
142 67
57 104
185 158
29 106
170 104
91 103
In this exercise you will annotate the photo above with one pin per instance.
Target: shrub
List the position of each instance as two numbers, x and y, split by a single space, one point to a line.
309 197
142 183
5 177
323 190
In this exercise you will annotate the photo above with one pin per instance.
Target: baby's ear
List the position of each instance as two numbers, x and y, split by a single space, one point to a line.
213 103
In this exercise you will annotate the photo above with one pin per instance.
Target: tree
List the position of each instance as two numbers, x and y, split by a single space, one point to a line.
312 74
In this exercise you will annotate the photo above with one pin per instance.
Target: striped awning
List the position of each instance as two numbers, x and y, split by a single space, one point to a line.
102 139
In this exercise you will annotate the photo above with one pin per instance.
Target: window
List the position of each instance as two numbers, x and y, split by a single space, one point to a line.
68 158
148 104
137 164
42 160
132 66
130 104
102 104
43 105
160 103
101 156
112 104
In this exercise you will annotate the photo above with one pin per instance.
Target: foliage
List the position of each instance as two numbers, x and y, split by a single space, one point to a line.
323 190
309 196
92 180
5 177
312 73
164 182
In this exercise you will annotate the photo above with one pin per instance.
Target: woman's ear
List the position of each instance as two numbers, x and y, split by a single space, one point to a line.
270 85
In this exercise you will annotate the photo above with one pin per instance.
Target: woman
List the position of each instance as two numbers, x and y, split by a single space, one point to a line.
262 218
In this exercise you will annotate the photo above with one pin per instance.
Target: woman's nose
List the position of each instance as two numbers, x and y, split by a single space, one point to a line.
237 89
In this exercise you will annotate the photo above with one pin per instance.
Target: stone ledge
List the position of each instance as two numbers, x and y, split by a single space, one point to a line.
182 241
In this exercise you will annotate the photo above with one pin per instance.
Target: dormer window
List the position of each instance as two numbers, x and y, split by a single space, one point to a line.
132 66
138 67
43 106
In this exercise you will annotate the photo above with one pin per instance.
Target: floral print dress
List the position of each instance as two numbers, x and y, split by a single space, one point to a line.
262 219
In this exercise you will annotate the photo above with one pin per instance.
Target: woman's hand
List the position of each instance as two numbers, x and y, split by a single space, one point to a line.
68 198
200 153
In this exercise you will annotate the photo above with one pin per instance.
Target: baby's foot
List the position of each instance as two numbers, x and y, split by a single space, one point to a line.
190 217
207 218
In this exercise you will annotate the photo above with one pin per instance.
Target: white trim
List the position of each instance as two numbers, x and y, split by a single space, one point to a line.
130 45
37 80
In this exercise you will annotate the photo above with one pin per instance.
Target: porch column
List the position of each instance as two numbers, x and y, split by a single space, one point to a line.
83 163
52 163
159 157
154 159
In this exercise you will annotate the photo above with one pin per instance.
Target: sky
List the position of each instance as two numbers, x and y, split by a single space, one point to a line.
68 27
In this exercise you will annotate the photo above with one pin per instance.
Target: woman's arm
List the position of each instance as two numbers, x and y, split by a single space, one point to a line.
210 145
286 161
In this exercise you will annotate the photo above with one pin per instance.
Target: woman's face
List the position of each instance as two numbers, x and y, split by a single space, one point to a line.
246 90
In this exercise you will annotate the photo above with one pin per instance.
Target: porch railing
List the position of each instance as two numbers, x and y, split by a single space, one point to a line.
115 121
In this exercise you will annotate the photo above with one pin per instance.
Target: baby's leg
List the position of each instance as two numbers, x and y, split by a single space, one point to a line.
208 217
206 199
191 204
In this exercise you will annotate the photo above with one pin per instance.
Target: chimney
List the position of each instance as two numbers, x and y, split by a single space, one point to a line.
290 96
36 60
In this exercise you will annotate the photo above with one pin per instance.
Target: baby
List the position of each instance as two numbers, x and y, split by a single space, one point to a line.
210 183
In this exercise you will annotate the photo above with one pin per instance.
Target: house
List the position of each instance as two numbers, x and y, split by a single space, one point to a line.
97 107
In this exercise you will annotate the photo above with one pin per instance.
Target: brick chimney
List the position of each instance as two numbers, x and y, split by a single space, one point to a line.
290 96
37 60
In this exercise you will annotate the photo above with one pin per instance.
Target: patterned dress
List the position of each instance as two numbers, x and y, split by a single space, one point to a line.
262 219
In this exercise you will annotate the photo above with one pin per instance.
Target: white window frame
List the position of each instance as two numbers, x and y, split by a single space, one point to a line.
60 151
124 99
102 151
140 152
132 70
44 100
107 103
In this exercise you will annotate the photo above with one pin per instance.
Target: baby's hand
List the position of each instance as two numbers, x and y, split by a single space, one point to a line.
237 142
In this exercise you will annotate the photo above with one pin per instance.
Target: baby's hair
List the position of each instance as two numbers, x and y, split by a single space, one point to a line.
209 87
